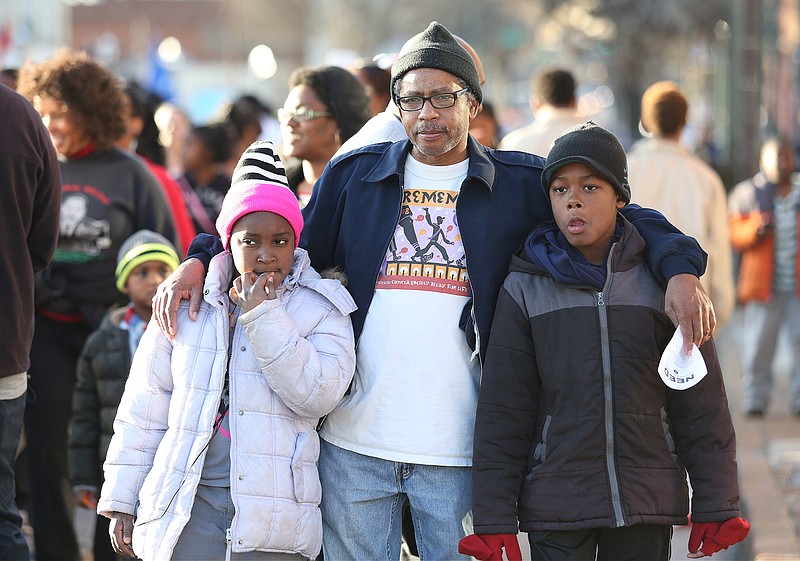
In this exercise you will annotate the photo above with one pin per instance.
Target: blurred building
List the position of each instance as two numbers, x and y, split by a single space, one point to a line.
736 59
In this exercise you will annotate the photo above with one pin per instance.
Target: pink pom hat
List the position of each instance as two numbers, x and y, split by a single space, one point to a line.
259 184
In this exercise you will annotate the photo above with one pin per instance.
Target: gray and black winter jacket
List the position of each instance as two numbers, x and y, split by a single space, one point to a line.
575 428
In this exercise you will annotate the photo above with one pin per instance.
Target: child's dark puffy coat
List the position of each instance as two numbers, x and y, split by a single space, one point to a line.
102 372
575 428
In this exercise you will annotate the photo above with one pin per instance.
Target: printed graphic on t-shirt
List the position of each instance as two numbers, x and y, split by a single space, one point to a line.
80 237
426 252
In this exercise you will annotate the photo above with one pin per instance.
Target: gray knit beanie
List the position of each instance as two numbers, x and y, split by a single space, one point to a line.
437 48
590 144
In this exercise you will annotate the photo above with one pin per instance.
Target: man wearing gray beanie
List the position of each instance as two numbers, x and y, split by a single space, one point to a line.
425 229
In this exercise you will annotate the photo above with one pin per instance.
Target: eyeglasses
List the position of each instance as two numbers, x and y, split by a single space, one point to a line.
438 101
301 114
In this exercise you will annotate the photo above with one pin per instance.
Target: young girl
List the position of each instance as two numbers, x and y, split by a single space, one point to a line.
273 345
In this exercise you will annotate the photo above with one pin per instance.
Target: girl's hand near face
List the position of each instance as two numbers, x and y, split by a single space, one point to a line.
249 290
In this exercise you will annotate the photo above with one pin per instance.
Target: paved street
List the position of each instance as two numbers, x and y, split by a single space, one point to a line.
768 456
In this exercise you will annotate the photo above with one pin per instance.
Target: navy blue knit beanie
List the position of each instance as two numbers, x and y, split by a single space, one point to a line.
437 48
590 144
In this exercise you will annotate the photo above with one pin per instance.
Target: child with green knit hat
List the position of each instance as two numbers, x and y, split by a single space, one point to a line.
145 259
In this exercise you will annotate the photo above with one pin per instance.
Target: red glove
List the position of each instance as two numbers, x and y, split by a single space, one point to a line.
489 547
716 536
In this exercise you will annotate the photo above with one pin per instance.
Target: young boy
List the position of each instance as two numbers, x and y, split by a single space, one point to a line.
273 345
144 261
577 440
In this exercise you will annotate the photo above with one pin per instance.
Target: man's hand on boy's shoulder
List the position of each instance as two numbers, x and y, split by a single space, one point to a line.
185 283
687 304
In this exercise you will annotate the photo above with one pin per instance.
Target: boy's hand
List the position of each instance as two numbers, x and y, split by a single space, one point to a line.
489 547
185 283
85 498
120 530
767 226
250 289
711 537
688 305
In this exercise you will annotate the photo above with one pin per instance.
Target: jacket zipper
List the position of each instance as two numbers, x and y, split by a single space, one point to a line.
608 398
475 328
231 422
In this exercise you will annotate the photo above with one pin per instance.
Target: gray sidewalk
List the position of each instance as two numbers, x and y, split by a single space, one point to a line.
768 453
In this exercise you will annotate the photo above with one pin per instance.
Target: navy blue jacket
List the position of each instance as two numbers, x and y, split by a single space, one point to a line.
355 207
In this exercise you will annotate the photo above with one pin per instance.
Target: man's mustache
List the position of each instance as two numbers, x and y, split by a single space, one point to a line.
429 128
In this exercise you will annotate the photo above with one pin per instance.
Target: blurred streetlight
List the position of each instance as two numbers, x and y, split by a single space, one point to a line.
261 61
170 50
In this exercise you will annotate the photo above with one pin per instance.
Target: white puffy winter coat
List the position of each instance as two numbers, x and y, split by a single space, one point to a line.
291 362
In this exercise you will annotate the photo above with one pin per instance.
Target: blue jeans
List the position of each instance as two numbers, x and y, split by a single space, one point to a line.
763 322
12 542
362 500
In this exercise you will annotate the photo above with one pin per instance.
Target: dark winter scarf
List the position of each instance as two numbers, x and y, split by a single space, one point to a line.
548 248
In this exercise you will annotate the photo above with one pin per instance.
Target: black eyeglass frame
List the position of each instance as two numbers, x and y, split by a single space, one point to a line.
450 96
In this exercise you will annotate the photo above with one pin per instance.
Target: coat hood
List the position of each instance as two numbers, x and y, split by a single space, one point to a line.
221 271
547 252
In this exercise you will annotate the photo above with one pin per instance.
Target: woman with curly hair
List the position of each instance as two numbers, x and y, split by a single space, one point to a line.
107 195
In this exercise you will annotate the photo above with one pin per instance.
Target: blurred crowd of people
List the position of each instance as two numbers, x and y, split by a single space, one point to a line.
131 162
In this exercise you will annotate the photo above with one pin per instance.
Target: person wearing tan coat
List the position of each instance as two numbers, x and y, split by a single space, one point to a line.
667 176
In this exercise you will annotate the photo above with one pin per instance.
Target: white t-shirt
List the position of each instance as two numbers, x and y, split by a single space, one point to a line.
415 389
537 138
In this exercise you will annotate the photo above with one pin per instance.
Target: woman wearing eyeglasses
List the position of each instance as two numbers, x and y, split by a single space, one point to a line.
325 107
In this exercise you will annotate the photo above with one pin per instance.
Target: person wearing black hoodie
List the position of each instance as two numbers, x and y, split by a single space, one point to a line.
29 205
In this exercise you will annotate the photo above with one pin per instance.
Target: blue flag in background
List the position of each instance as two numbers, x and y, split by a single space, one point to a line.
160 79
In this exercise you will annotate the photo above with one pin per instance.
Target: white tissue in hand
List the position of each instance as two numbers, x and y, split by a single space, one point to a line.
678 371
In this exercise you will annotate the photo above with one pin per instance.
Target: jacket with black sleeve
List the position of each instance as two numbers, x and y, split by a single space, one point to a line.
575 428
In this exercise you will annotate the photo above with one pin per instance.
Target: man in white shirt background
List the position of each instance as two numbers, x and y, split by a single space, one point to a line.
555 109
665 175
